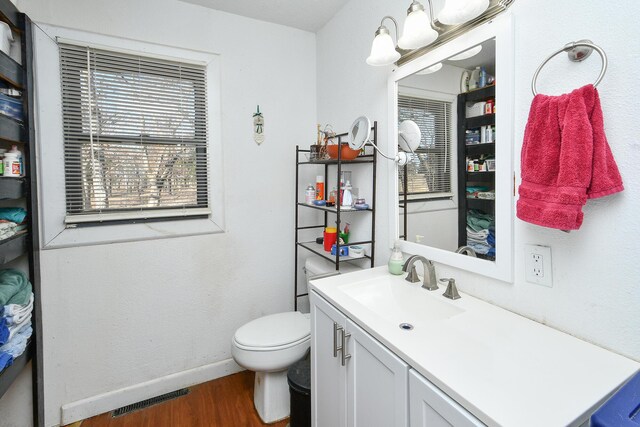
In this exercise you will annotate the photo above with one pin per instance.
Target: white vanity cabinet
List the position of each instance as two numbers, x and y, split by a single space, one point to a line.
430 407
328 376
362 385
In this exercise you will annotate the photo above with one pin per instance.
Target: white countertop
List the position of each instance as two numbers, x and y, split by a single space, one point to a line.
505 369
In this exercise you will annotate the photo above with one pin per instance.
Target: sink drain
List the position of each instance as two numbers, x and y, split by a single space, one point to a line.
406 326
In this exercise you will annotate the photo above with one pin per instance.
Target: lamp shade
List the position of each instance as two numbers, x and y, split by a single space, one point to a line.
383 51
460 11
417 30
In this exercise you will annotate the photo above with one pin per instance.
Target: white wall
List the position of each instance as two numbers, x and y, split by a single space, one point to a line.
119 315
595 294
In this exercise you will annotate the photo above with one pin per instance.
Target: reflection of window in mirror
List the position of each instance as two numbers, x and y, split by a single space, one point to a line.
428 171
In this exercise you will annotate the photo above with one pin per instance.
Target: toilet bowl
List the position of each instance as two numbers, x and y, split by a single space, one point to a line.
270 344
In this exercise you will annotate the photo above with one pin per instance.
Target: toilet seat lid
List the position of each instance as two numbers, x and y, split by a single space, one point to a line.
274 330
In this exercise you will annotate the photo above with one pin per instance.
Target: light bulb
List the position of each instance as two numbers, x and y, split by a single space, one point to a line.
460 11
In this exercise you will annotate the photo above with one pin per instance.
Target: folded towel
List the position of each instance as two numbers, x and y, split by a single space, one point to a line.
565 159
16 215
17 311
6 360
4 331
7 229
8 332
18 344
477 220
14 287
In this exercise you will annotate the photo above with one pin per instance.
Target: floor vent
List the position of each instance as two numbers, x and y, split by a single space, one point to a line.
149 402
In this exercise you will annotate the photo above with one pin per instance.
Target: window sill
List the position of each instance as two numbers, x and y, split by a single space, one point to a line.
119 233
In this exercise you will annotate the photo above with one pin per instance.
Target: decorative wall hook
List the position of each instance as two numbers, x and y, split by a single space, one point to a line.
258 126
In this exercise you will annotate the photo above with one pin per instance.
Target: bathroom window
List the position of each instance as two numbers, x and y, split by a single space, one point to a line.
429 168
135 136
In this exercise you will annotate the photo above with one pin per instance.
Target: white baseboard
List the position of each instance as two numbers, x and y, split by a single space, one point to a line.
101 403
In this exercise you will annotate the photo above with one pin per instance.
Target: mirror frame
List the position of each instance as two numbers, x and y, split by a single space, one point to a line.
500 28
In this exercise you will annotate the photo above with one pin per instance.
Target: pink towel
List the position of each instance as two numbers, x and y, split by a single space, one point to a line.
565 159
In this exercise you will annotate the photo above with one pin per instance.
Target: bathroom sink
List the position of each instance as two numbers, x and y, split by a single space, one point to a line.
399 301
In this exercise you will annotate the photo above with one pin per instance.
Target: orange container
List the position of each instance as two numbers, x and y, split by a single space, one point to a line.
346 154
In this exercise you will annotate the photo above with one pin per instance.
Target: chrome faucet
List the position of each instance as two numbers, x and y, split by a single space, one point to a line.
452 290
466 250
429 282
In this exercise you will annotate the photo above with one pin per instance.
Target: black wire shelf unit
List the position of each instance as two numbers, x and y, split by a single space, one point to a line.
334 167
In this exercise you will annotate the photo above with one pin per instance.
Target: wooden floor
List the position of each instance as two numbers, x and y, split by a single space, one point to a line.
225 402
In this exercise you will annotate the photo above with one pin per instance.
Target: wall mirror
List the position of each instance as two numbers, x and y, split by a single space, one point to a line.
457 188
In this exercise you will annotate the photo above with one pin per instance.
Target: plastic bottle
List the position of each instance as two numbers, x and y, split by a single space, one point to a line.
395 260
11 164
309 194
482 80
319 187
333 195
2 151
18 153
347 197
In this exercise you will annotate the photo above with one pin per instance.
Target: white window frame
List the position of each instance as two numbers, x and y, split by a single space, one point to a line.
50 146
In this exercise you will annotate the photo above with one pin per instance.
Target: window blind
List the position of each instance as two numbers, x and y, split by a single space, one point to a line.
429 168
135 136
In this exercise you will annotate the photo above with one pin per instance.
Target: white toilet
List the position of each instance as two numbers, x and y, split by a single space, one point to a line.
270 344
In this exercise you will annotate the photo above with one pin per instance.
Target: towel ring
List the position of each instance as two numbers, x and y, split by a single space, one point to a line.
577 52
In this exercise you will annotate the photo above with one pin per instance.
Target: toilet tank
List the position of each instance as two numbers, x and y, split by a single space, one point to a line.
314 266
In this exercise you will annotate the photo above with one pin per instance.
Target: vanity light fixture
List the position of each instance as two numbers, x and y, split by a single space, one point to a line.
431 70
418 31
383 50
460 11
467 53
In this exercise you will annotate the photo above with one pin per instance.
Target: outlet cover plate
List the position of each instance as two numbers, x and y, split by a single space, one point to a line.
537 265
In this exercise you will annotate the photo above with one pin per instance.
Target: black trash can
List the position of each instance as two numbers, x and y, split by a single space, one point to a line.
299 379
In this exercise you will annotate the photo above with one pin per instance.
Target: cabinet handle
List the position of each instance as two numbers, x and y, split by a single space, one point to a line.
343 347
336 349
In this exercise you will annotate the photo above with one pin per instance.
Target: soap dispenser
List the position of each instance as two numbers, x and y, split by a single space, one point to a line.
395 260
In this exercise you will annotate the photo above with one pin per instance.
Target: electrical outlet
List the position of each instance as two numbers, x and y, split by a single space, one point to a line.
538 265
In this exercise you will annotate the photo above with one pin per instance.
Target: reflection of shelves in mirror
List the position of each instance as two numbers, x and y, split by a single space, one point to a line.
481 176
9 374
481 204
11 130
487 257
318 249
479 95
333 208
10 71
479 149
13 247
11 188
479 121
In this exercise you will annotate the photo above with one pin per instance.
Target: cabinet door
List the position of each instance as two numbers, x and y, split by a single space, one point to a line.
377 383
328 376
430 407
